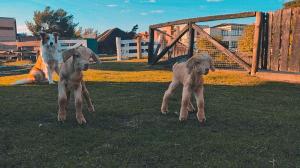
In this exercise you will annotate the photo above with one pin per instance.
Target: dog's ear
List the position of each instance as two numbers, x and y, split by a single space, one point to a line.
43 36
68 53
194 65
55 34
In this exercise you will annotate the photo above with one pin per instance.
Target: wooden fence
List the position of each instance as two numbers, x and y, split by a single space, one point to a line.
284 40
126 49
276 44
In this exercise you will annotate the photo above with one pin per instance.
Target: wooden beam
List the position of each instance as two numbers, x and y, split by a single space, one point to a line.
191 40
257 42
162 32
285 39
157 49
173 42
205 19
220 47
150 45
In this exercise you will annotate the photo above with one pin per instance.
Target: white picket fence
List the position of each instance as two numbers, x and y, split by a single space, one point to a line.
135 48
68 44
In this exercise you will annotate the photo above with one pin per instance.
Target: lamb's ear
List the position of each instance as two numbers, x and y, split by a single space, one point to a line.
68 53
95 58
193 64
212 67
55 34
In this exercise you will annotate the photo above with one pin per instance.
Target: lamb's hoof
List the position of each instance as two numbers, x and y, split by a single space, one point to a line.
91 108
182 119
164 112
52 83
80 119
62 117
202 122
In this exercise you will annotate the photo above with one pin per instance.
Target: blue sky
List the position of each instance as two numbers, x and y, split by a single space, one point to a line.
105 14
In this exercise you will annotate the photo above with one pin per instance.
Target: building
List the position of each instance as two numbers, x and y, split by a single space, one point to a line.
8 29
229 33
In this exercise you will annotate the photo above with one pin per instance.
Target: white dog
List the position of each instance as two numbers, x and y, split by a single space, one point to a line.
51 55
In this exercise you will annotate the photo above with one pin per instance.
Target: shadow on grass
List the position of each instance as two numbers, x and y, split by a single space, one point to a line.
247 126
129 66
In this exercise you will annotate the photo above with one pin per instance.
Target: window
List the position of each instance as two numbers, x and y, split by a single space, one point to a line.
234 44
6 28
225 33
225 44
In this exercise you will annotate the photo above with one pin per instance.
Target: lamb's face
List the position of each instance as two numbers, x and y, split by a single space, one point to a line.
80 63
204 64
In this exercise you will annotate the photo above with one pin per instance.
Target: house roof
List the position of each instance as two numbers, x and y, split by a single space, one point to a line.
229 24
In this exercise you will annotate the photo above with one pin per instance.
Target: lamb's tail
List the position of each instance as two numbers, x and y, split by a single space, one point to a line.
24 81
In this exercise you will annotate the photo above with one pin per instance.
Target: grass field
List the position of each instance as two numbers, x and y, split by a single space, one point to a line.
250 123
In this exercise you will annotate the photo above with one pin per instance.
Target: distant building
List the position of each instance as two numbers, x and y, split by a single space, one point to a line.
228 32
8 29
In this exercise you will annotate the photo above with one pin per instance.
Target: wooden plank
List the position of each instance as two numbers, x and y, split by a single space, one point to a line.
172 37
191 40
150 45
157 49
256 45
270 40
276 40
172 43
139 47
205 19
266 41
220 47
294 62
285 39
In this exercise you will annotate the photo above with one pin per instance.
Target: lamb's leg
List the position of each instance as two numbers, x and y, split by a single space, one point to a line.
186 97
87 97
191 107
78 104
200 105
168 93
62 102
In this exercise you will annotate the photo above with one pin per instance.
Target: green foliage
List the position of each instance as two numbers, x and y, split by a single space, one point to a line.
57 20
134 28
245 43
292 4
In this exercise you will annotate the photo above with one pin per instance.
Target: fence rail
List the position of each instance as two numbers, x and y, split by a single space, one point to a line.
134 48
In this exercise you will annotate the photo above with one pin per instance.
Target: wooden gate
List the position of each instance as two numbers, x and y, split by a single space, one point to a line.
284 40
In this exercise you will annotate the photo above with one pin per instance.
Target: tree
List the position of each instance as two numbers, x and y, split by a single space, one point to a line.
292 4
134 29
84 33
56 20
245 43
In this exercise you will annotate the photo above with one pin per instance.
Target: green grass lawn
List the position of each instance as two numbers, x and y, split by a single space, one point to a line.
250 123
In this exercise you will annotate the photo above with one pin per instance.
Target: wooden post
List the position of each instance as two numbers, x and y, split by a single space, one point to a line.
256 44
119 47
191 40
139 47
151 46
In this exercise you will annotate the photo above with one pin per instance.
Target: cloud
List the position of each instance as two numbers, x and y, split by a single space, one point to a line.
214 0
125 11
126 1
23 29
148 1
111 5
143 13
157 11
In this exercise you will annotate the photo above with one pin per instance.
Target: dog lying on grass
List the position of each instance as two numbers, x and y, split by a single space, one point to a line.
71 79
190 75
36 74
